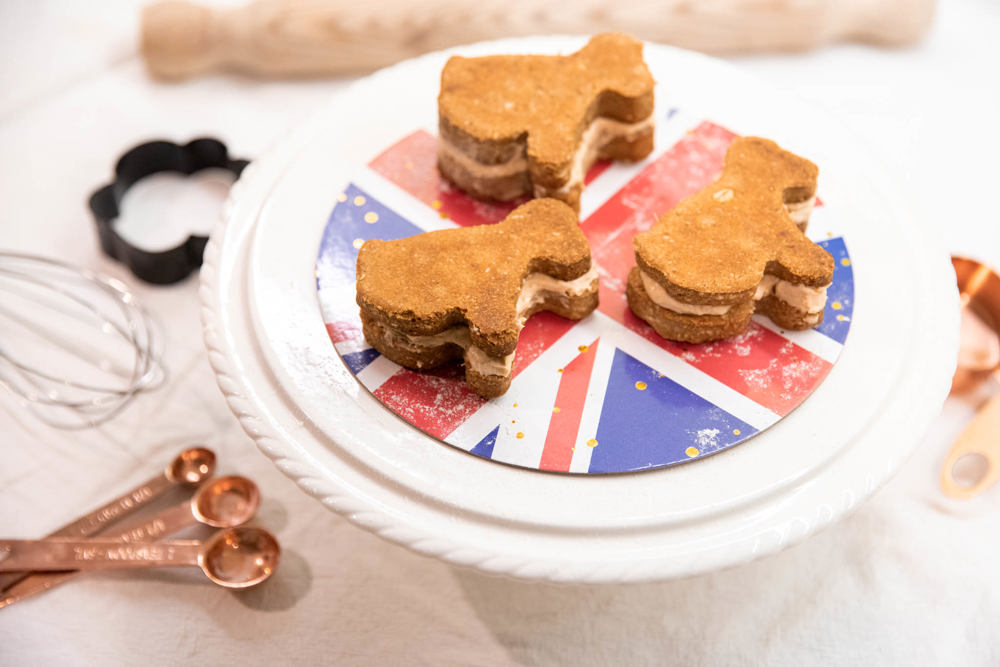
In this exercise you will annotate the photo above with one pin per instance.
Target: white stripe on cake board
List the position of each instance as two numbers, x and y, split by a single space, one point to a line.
534 390
377 372
590 418
696 381
400 201
810 340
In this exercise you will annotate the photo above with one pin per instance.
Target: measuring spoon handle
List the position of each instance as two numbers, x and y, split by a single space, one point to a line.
105 515
63 553
167 522
117 509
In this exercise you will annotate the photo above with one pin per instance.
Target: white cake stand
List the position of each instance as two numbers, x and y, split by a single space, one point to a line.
304 409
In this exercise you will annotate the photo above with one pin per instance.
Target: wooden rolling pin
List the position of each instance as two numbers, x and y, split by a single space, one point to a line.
326 37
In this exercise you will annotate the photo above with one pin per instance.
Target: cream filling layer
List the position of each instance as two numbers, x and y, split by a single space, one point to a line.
811 300
535 288
799 212
598 133
475 358
663 299
515 165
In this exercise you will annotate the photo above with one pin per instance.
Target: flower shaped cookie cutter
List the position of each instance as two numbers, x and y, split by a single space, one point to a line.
176 263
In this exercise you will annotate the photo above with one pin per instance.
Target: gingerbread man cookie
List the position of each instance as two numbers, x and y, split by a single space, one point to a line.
734 248
465 293
526 124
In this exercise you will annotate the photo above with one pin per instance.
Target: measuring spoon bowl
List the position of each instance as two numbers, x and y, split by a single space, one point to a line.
192 466
240 557
979 354
226 502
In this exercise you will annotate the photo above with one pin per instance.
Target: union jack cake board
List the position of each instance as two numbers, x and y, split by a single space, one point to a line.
605 394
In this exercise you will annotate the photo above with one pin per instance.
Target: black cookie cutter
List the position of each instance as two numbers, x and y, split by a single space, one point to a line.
167 266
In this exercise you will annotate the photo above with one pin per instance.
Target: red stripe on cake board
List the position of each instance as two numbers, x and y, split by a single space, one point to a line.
595 171
540 332
341 331
435 401
564 425
765 367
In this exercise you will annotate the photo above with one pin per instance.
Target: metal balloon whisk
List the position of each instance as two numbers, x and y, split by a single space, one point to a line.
75 346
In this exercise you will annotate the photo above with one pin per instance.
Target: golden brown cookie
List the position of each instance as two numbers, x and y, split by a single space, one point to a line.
515 125
734 248
465 293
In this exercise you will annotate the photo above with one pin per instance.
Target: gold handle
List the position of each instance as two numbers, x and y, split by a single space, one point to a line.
982 437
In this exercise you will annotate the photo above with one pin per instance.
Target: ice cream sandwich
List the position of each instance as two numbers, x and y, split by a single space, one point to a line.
464 294
513 125
734 248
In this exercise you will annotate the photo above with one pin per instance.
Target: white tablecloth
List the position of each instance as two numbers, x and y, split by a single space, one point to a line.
909 578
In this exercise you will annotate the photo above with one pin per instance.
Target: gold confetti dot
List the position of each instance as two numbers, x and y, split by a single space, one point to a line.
555 409
842 318
359 201
358 243
515 405
443 215
513 421
692 452
583 348
559 370
342 196
592 443
640 385
519 435
371 217
836 305
436 204
736 431
845 262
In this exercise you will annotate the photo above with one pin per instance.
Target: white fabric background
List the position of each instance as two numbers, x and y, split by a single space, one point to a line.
910 578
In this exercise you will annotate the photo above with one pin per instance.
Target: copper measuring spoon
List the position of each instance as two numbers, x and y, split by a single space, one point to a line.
189 468
979 358
225 502
233 558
